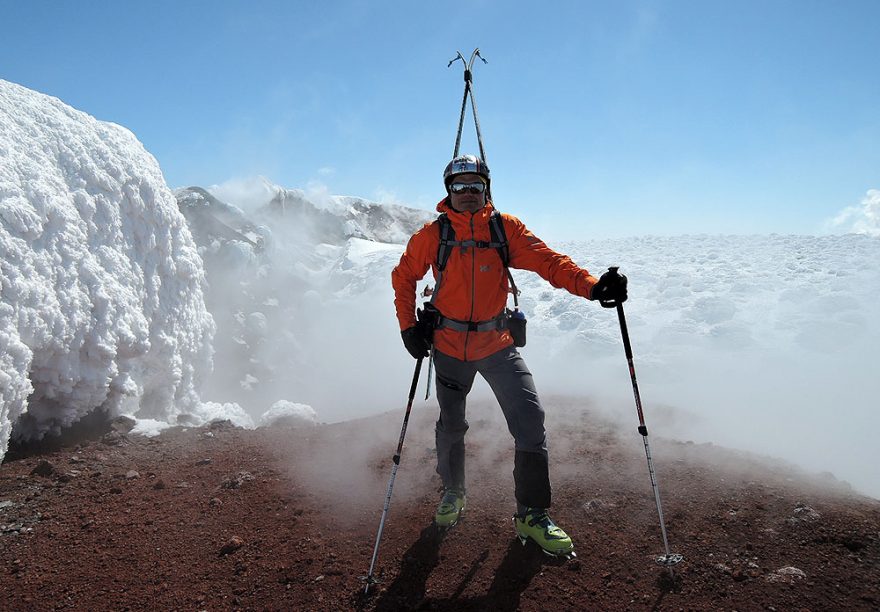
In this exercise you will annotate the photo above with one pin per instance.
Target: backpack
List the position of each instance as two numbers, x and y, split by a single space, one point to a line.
498 241
513 320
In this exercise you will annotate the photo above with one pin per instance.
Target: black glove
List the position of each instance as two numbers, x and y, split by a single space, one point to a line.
415 342
610 290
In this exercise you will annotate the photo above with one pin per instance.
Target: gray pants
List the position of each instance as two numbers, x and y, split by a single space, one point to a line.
512 383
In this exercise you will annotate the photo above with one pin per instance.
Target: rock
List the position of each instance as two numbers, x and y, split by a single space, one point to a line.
114 438
237 480
159 484
44 469
805 513
186 419
115 490
724 569
231 546
122 424
215 502
222 425
132 474
593 505
6 503
204 462
787 574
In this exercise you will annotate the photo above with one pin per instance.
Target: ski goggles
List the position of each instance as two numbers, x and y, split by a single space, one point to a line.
478 187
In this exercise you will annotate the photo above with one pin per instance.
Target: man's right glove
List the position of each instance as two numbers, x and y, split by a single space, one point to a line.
610 290
415 342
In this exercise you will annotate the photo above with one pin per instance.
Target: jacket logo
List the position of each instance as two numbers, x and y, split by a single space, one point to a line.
485 268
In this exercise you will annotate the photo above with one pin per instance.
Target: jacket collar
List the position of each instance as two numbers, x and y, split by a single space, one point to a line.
461 221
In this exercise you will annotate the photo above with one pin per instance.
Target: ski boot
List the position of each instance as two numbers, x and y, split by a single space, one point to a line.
537 526
450 508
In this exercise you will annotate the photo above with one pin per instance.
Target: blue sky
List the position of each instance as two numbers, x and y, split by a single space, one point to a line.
599 118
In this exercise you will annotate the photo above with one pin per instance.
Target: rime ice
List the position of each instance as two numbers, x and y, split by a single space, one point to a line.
101 283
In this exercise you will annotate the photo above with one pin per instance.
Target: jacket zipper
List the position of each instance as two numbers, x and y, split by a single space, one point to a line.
467 334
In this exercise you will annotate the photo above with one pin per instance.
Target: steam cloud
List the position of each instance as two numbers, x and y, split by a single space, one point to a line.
765 343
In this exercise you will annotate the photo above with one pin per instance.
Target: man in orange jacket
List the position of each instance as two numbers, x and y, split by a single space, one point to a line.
470 334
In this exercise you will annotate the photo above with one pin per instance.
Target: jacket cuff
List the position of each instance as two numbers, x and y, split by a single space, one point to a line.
590 283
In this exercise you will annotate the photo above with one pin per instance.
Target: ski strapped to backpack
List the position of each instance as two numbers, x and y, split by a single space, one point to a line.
514 321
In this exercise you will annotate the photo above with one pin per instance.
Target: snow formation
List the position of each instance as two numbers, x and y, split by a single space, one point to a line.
289 413
101 282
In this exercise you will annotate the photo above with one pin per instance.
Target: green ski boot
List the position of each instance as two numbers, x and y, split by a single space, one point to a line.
450 508
537 526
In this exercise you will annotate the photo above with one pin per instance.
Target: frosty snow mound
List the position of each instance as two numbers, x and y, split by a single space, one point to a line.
101 282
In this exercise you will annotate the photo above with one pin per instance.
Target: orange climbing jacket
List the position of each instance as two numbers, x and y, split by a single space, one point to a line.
474 283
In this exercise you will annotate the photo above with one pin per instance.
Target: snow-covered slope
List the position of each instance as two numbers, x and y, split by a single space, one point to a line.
101 283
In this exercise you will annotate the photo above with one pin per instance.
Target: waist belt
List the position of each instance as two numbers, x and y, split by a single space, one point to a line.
497 323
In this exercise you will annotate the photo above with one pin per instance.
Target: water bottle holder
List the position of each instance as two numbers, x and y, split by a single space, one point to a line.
516 325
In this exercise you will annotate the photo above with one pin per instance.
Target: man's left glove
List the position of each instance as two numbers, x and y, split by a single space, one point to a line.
415 342
610 290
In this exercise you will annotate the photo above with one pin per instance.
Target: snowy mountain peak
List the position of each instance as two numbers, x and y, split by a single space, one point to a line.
326 218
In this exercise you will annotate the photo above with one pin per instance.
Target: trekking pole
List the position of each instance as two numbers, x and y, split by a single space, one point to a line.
669 559
468 90
396 459
430 373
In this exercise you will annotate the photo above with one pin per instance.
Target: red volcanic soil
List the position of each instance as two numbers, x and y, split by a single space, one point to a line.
220 518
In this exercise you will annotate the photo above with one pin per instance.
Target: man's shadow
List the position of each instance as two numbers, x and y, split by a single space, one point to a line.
408 589
512 577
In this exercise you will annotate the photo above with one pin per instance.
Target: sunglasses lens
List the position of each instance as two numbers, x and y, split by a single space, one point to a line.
467 187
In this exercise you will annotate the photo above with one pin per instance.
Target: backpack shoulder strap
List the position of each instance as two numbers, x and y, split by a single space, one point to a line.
499 237
447 241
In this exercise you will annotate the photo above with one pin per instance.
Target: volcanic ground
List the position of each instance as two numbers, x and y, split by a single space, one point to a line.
285 518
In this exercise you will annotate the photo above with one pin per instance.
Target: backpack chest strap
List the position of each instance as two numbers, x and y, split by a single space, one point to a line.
479 244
